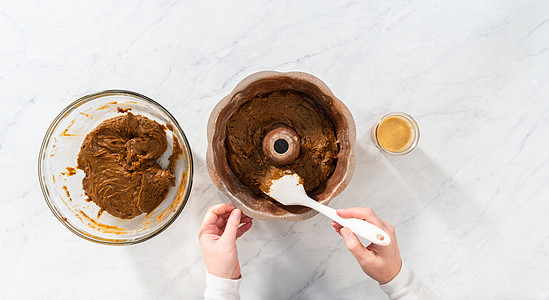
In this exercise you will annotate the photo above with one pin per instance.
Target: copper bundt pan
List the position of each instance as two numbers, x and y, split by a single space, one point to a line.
265 82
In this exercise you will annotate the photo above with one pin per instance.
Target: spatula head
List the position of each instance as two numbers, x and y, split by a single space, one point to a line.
287 190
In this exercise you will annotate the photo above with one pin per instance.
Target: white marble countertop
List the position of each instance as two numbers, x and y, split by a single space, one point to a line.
470 204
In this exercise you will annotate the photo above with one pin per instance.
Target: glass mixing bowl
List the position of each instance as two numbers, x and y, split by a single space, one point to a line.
61 181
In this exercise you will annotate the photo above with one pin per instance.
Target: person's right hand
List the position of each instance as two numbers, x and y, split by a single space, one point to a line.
382 263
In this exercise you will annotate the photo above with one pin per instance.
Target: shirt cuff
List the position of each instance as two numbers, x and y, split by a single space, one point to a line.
399 283
222 288
407 286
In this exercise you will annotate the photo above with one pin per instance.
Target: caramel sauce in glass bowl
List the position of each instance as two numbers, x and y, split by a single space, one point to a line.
396 133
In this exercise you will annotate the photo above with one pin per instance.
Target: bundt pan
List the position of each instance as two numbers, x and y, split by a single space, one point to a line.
265 82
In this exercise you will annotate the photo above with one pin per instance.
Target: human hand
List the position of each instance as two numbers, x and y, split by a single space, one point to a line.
382 263
220 229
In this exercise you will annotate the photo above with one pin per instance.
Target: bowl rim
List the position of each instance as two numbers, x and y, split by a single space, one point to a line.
41 158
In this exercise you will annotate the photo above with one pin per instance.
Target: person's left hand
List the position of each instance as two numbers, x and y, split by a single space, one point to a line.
220 229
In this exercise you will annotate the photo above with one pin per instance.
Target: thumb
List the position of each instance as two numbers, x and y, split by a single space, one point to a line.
354 245
232 225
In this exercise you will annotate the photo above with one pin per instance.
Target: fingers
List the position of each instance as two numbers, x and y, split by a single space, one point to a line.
231 228
355 247
216 211
389 227
226 221
336 226
242 229
351 241
222 220
245 219
364 213
222 208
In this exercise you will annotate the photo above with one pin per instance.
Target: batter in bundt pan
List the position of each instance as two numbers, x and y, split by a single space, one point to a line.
248 126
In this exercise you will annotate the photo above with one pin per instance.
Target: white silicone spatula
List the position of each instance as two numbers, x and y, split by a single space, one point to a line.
289 191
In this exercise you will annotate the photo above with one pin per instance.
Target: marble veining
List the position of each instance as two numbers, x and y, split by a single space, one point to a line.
469 204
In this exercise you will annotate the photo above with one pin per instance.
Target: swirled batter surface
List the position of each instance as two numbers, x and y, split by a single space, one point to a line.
119 158
249 124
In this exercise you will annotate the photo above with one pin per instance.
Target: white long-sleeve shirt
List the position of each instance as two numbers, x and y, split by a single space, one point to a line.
405 286
218 288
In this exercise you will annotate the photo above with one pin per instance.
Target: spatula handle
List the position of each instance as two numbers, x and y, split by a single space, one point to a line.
360 227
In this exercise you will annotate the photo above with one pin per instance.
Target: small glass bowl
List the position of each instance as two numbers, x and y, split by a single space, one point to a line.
414 128
61 182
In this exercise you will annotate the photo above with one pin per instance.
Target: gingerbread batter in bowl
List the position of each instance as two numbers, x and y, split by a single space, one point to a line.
119 158
115 168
